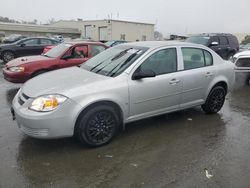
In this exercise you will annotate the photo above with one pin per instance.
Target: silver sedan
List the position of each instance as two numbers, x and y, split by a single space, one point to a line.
126 83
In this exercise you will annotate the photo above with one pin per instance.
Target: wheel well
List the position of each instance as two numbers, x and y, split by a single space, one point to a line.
108 103
8 51
222 84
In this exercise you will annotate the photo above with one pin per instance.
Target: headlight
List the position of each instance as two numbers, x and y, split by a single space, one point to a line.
47 103
16 69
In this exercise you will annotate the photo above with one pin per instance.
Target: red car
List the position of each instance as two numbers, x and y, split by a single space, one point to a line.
64 55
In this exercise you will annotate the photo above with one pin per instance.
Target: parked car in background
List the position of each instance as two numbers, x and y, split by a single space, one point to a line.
64 55
123 84
242 65
13 38
245 47
25 47
58 38
2 36
115 42
226 45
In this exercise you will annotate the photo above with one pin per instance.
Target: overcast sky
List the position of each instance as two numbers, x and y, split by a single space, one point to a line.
170 16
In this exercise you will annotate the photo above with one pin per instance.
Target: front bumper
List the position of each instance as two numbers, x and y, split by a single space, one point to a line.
46 125
15 77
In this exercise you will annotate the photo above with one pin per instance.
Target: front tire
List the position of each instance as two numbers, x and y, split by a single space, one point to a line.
97 126
215 100
8 56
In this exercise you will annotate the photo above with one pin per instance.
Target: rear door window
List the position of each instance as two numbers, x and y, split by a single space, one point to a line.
196 58
223 41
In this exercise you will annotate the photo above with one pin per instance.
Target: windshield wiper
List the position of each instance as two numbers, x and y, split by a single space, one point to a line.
121 65
122 53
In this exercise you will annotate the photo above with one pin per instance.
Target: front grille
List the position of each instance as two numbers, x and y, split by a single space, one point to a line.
243 62
25 96
20 101
22 98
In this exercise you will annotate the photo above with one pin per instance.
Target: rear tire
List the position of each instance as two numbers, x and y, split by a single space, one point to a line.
97 126
8 56
215 100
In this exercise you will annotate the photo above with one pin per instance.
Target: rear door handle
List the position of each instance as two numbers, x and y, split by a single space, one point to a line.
174 81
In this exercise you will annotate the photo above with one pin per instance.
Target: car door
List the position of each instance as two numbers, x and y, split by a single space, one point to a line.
76 56
28 47
159 94
198 72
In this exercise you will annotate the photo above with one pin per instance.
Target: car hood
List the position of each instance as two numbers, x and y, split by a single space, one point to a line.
243 53
60 82
27 59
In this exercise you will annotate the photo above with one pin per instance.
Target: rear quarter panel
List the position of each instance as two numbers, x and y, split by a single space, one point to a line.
224 73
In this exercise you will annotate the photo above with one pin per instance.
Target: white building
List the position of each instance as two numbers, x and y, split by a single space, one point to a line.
104 30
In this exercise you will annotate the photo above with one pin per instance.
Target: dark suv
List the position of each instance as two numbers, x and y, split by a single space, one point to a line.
226 45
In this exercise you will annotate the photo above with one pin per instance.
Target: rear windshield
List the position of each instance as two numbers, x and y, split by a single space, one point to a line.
114 61
198 40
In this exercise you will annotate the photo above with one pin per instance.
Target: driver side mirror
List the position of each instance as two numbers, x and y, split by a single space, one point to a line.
22 45
143 74
214 44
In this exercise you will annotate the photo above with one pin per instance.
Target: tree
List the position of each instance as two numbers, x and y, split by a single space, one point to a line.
246 40
158 35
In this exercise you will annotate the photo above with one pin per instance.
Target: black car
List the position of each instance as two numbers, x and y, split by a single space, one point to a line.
226 45
25 47
13 38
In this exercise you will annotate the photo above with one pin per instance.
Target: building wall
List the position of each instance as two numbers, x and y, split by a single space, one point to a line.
132 31
115 28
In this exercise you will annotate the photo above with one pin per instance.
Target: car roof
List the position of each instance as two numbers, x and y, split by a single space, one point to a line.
158 44
84 42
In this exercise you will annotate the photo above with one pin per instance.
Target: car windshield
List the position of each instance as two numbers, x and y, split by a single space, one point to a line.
57 50
109 43
114 61
198 40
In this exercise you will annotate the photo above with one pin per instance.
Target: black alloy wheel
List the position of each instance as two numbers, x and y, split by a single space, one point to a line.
215 100
98 126
8 56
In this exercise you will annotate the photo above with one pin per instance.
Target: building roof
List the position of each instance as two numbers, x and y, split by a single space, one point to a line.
113 20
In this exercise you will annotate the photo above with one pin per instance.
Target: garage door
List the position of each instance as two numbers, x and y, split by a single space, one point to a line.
103 33
88 31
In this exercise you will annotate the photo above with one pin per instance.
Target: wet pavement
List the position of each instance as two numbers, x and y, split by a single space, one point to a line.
172 150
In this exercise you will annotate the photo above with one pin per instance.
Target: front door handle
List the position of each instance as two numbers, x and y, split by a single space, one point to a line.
209 74
174 81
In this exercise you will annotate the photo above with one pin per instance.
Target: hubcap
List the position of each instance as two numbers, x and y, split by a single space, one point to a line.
7 56
101 127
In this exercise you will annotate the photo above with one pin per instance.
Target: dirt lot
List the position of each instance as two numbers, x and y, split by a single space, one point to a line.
167 151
